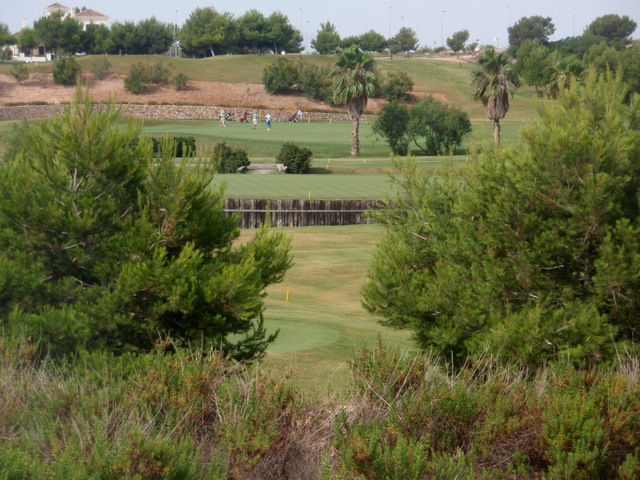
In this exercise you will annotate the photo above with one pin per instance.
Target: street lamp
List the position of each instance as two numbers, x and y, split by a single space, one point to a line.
442 28
306 44
390 22
402 21
574 21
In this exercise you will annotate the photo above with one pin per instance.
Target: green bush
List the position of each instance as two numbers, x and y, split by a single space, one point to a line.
296 159
19 71
315 82
100 67
437 127
159 73
116 250
137 79
180 81
526 253
184 146
398 87
280 76
229 159
391 123
65 71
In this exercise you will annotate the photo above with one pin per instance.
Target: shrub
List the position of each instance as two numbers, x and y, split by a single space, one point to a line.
116 250
280 76
65 71
180 81
436 127
526 253
138 78
184 146
296 159
229 159
398 87
315 82
20 72
100 67
391 123
159 73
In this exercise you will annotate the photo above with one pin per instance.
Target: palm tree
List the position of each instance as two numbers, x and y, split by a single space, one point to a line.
493 83
355 81
564 73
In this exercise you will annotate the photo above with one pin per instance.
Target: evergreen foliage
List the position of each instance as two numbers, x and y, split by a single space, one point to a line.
100 67
398 86
315 82
458 40
104 246
137 79
296 159
529 253
19 71
229 159
391 124
327 39
184 146
180 81
65 71
280 76
436 127
433 126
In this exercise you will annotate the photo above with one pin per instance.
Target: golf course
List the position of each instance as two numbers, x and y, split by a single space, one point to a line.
317 308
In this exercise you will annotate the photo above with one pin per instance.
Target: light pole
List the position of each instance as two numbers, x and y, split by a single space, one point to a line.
574 21
390 22
306 44
175 34
402 21
442 28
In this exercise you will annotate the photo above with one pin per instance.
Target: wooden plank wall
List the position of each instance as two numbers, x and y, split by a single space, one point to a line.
299 213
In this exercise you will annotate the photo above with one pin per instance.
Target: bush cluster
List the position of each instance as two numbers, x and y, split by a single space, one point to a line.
141 75
100 67
296 159
184 146
195 415
65 71
280 76
19 71
229 159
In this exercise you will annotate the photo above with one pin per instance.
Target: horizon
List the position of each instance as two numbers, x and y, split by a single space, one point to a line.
486 22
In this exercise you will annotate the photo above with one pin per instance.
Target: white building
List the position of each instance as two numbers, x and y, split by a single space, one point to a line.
39 53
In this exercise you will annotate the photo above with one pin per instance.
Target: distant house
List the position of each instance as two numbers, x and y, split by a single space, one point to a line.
39 53
91 17
57 9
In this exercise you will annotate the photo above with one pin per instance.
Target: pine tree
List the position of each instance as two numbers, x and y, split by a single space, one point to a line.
104 246
530 253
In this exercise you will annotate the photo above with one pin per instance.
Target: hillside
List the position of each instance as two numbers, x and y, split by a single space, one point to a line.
233 81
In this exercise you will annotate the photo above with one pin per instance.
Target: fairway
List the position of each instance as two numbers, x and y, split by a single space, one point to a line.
324 322
315 187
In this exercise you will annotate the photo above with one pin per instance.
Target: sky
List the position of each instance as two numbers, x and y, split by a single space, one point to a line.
432 20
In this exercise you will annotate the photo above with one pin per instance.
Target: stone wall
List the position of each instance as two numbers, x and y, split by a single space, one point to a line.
175 112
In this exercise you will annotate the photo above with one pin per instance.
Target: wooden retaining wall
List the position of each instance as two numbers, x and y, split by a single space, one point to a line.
299 213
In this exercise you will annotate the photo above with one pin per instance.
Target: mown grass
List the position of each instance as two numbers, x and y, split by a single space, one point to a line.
324 320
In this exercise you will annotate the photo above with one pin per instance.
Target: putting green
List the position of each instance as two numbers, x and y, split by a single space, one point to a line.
296 336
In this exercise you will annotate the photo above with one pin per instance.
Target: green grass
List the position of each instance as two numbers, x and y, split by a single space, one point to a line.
324 320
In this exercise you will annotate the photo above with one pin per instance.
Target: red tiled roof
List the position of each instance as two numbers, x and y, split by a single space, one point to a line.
57 6
89 13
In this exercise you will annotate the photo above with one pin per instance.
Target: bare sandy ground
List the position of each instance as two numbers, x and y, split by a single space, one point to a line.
249 95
